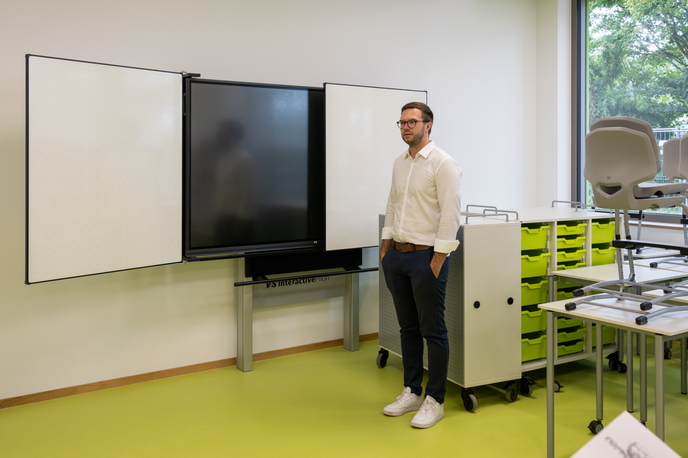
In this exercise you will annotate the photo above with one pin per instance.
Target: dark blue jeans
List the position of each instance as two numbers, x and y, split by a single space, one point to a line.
419 302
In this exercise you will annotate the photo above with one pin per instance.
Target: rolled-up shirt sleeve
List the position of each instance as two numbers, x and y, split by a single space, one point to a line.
448 184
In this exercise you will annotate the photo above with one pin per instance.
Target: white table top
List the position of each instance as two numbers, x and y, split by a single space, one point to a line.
609 272
545 214
668 324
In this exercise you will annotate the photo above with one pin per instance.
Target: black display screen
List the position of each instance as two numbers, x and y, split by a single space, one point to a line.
254 168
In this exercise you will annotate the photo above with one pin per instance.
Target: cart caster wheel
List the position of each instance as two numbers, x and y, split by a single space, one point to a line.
557 386
470 403
622 368
641 320
570 306
578 292
646 306
512 393
613 364
595 426
526 386
653 264
382 358
667 353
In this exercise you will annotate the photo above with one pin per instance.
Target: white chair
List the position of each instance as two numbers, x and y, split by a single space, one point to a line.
621 160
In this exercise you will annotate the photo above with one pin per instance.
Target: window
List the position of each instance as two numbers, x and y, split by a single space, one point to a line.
637 66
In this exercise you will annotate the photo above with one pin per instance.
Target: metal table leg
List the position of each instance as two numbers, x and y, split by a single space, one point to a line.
659 386
598 372
683 366
551 353
642 347
629 369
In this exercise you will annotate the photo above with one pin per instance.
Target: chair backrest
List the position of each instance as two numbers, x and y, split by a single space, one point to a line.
616 160
671 152
631 123
683 158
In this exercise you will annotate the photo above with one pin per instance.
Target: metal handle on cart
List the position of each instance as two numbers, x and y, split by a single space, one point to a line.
504 211
483 216
481 206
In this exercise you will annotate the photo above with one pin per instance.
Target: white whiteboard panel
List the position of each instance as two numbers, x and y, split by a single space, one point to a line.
104 168
361 143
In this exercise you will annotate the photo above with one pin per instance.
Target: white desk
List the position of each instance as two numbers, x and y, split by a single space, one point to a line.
607 272
662 327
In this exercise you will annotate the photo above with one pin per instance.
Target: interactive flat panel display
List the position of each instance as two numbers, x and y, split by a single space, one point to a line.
254 169
104 168
362 141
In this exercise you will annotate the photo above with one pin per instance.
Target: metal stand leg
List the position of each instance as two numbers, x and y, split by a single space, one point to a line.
551 353
659 386
244 304
629 369
642 347
351 340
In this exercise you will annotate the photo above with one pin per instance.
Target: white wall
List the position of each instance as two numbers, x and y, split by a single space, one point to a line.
553 95
476 58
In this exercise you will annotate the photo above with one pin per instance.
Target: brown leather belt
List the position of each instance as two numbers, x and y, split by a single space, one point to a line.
408 247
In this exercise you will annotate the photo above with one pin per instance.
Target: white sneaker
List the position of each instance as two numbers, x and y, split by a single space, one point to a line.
406 402
430 413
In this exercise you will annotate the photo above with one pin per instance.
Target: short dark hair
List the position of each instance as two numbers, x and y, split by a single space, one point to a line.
427 112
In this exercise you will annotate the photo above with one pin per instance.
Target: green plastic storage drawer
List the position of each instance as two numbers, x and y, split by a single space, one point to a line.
570 242
533 321
570 255
569 349
567 284
534 238
563 323
602 256
603 232
534 265
535 348
570 228
571 335
563 295
608 335
534 292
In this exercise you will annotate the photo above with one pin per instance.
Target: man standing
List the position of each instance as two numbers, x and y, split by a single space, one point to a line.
421 224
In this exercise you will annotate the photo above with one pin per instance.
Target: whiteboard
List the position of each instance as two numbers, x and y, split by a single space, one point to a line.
361 143
104 168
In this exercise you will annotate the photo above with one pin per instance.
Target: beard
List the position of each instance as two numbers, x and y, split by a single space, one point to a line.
415 140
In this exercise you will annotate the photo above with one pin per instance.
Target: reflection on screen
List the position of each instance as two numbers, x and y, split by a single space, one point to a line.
248 165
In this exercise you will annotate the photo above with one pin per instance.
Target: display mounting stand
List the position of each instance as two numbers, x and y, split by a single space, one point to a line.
348 288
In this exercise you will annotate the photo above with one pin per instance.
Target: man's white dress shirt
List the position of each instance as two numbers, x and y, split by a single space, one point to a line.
424 204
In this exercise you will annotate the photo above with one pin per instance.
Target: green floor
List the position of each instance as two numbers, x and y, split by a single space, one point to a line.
326 403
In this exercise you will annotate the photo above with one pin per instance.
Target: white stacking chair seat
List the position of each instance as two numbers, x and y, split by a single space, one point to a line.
620 164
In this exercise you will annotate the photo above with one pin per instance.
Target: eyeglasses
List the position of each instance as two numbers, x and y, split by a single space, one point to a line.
412 123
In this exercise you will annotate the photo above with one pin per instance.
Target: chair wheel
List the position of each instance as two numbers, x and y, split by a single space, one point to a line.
570 306
653 264
641 320
646 306
578 293
595 426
